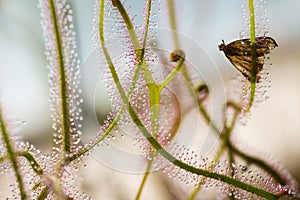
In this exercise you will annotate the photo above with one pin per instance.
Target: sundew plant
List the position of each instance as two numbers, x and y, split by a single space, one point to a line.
154 85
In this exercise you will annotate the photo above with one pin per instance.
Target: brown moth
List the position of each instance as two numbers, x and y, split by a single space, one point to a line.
239 54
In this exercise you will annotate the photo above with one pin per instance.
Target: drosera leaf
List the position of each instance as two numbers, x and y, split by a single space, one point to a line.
250 55
64 74
9 144
65 98
182 165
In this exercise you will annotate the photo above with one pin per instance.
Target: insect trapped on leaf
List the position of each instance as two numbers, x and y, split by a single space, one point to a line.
239 54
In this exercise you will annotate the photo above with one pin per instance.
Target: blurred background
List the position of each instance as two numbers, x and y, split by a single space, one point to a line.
273 128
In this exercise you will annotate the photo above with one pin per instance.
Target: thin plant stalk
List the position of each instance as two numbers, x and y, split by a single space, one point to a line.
253 54
12 156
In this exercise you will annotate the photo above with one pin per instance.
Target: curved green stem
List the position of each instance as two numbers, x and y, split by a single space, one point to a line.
160 149
43 194
207 118
116 119
225 136
173 73
166 154
34 164
260 163
188 168
173 26
156 115
113 123
135 76
234 151
129 25
139 52
11 155
154 91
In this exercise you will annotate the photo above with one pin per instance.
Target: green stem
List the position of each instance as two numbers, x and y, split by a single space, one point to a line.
258 162
116 119
112 125
65 118
34 164
57 188
146 175
225 139
43 194
174 72
250 159
12 156
154 91
253 54
173 25
252 21
160 149
188 168
146 29
135 42
195 191
129 25
3 158
207 118
157 146
134 79
154 95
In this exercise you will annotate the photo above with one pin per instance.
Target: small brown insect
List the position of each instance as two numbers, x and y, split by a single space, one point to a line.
239 54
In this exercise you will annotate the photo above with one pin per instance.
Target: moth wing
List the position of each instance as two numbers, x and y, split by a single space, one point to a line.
243 47
239 54
239 47
243 64
267 41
